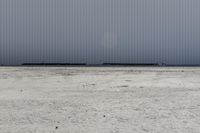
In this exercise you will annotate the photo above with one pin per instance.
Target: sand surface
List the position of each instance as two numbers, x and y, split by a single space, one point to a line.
99 100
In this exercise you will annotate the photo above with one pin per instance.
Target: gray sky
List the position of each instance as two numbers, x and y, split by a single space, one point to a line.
97 31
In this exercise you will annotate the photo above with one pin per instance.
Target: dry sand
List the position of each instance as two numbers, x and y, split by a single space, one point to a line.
99 100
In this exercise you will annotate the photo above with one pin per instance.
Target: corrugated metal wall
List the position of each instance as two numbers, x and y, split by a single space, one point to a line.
100 31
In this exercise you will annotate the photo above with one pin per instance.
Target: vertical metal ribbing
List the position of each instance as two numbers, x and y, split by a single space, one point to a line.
94 32
1 34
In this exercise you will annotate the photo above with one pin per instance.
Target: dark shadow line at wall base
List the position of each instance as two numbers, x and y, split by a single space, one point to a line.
98 65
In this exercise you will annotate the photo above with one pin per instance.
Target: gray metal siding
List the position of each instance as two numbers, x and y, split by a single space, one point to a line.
100 31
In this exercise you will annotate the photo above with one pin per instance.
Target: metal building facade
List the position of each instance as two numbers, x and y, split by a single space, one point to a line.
100 31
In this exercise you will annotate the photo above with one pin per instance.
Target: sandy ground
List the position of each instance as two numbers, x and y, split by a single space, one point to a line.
99 100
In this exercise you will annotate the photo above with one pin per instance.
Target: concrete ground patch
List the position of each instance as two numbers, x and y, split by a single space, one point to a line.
100 99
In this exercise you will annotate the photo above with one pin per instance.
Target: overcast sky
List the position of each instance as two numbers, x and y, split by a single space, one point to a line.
100 31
